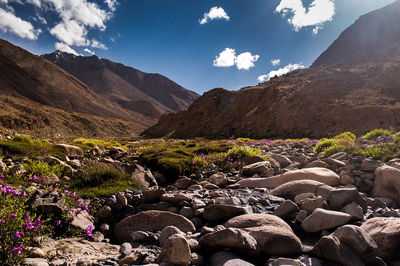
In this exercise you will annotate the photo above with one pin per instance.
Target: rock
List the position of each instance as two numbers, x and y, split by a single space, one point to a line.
224 258
370 165
387 183
3 167
223 212
175 251
322 219
184 183
310 204
121 198
287 208
282 160
235 239
144 177
150 221
187 212
339 156
219 179
263 168
334 162
51 203
96 237
105 213
175 198
386 234
35 262
294 188
322 175
273 235
342 196
317 163
82 221
37 253
125 249
17 170
167 232
299 198
152 195
197 204
354 210
128 260
70 150
284 262
139 236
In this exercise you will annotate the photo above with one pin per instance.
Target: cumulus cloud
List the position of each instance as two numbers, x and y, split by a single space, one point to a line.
275 62
99 45
280 72
316 15
89 51
112 4
228 58
65 48
71 33
11 23
214 13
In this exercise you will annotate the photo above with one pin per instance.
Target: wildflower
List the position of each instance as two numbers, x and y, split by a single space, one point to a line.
27 217
18 234
2 177
5 214
79 201
89 231
58 223
2 222
18 250
13 216
86 208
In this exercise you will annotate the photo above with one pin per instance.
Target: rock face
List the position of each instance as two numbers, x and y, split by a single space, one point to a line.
150 221
337 94
387 183
386 234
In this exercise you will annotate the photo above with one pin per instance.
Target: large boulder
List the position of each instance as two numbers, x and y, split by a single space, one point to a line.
293 188
386 234
282 160
273 235
70 150
322 175
215 212
340 197
322 219
175 251
153 221
260 168
144 177
387 183
235 239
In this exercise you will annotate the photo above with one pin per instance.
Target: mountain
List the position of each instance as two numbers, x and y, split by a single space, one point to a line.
353 86
30 80
148 94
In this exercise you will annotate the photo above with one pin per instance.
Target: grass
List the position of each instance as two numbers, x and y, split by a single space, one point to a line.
22 146
40 168
378 133
99 180
87 144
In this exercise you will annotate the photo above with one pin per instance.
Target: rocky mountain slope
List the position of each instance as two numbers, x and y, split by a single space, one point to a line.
148 94
330 97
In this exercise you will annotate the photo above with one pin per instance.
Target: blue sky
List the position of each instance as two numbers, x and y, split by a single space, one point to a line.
176 38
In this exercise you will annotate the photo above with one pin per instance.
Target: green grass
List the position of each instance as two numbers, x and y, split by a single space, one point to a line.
240 152
87 144
23 138
34 148
378 133
40 168
342 142
99 180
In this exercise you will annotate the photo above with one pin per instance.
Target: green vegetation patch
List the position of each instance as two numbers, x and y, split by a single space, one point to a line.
378 133
24 146
87 144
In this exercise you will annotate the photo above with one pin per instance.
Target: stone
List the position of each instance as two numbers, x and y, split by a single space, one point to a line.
294 188
121 198
263 168
387 183
187 212
152 195
3 167
299 198
218 179
310 204
322 175
126 249
153 221
322 219
105 213
317 163
386 234
287 208
184 183
224 258
370 165
197 204
35 262
175 198
144 177
334 162
139 236
215 212
283 262
128 260
342 196
282 160
37 253
82 221
70 150
167 232
175 251
354 210
256 220
235 239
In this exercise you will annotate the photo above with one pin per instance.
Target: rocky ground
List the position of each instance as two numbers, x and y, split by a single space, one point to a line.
295 209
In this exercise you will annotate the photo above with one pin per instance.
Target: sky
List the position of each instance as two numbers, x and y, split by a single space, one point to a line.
200 44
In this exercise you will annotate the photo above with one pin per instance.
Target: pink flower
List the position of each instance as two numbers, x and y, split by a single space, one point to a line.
58 223
18 235
2 222
18 250
13 216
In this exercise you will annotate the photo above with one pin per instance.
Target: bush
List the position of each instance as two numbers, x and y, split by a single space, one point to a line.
378 133
346 135
98 180
23 138
323 144
240 152
41 169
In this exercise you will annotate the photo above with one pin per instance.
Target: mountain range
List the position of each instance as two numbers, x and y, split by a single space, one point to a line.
353 86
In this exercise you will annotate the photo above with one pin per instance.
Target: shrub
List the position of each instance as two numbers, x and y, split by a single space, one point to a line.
240 152
41 168
23 138
346 135
378 133
323 144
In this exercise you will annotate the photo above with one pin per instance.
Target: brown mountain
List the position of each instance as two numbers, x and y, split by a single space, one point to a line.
31 80
148 94
346 89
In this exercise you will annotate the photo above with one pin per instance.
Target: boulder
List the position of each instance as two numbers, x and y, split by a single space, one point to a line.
256 220
175 251
370 165
387 183
386 234
225 258
184 183
70 150
263 168
215 212
342 196
294 188
235 239
282 160
153 221
354 210
317 163
310 204
322 175
218 179
287 208
322 219
144 177
167 232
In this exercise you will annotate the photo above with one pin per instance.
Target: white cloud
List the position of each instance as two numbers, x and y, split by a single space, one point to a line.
275 62
34 2
65 48
280 72
41 19
214 13
11 23
112 4
99 45
71 33
226 58
246 61
318 13
89 51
